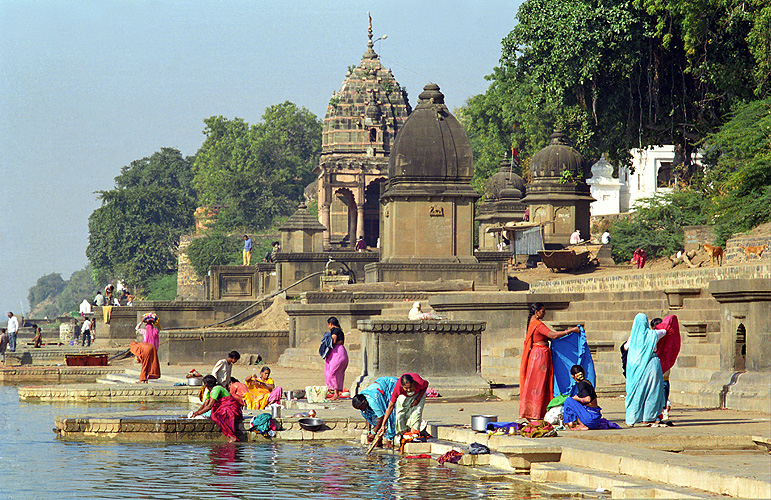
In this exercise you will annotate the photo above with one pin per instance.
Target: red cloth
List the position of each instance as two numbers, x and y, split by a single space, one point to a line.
420 385
225 412
536 374
148 356
237 390
669 346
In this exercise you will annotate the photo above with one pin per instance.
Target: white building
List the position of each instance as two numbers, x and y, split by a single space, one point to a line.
605 189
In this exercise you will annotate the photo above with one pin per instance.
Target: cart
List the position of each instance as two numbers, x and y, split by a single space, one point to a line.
564 259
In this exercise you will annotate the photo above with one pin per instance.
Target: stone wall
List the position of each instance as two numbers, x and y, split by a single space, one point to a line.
653 280
206 347
695 236
189 285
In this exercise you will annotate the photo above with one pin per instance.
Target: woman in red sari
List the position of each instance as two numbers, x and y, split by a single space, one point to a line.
225 409
148 357
536 376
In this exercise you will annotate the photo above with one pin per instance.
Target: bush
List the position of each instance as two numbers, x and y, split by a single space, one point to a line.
657 224
163 287
217 249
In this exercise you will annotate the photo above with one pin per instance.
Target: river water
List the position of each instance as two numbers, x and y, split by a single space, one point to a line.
35 465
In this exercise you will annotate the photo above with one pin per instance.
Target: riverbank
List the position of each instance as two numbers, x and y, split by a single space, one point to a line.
707 452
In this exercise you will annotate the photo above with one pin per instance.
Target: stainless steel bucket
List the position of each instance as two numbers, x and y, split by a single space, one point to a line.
479 422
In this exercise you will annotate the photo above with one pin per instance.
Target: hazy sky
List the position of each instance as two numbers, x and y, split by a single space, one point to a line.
87 87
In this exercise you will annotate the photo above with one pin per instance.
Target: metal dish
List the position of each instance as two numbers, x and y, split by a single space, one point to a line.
195 381
479 422
311 424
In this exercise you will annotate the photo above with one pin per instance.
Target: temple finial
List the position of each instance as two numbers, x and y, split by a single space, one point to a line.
369 31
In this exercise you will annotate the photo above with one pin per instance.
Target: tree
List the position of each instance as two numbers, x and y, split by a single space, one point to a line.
80 286
258 172
618 75
216 249
134 235
46 286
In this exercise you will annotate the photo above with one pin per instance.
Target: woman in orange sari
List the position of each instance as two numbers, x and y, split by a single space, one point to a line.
536 376
148 356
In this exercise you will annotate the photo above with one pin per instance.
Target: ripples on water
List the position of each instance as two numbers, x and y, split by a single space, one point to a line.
34 465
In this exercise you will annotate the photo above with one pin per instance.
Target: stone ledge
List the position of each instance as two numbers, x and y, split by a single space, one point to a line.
427 326
221 333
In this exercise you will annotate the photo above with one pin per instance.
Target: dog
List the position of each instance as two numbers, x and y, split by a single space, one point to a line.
754 250
715 253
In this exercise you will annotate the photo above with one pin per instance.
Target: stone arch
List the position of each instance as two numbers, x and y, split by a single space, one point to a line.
563 222
342 217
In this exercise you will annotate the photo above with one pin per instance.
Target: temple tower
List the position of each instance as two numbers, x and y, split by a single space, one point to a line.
360 126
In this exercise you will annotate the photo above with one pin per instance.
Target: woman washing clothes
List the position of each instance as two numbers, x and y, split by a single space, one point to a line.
644 378
373 402
225 409
408 400
262 391
336 358
536 376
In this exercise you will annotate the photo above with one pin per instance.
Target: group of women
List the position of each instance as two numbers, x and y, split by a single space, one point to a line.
652 350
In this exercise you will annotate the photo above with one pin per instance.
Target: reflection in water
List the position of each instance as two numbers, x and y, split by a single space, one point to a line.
35 465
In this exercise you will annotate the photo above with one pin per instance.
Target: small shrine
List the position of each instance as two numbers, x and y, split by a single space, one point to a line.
558 196
503 203
605 189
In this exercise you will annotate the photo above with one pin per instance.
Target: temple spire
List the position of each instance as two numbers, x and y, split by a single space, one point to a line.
370 53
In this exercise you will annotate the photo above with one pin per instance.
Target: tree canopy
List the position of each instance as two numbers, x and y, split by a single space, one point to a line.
46 286
620 74
258 172
134 235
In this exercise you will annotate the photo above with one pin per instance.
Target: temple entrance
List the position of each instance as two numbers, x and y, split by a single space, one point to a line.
741 349
342 219
372 212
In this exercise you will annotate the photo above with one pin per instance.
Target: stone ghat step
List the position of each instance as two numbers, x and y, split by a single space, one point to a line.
143 427
103 393
53 356
55 374
129 376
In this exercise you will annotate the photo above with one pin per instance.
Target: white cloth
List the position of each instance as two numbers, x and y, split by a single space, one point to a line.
575 238
85 307
659 335
415 313
13 325
86 326
605 238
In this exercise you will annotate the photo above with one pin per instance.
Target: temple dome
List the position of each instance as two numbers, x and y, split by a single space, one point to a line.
505 183
557 157
432 145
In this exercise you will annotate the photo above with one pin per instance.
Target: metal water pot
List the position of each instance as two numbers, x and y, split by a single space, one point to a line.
275 411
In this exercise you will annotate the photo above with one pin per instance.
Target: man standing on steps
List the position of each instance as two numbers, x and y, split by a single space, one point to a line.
12 329
247 251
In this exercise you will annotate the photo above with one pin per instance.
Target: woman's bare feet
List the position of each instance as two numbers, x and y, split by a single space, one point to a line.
232 439
577 426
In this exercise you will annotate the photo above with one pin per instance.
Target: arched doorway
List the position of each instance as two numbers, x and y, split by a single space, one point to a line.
372 212
342 218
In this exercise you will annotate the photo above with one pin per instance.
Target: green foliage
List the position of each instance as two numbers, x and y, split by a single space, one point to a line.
619 75
260 171
216 249
133 236
46 286
80 286
739 170
656 226
162 287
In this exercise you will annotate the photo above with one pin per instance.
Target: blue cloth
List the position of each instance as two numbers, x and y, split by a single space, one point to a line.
572 349
378 396
247 244
589 416
326 345
644 379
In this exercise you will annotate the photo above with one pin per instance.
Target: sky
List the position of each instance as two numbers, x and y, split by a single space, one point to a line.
87 87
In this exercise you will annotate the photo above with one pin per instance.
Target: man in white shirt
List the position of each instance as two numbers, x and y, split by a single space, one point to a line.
99 299
605 238
85 333
223 367
575 238
12 329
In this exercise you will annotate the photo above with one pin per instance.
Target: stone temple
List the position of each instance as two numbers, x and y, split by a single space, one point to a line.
360 126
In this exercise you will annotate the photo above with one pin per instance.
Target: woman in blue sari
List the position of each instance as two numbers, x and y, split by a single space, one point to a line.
372 402
644 378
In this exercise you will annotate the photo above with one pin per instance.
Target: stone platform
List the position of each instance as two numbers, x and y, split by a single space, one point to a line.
104 393
55 374
53 356
165 428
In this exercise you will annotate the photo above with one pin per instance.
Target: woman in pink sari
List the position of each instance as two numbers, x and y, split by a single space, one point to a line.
336 359
225 409
151 328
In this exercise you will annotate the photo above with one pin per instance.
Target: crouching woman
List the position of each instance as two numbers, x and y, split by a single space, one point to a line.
581 411
225 409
